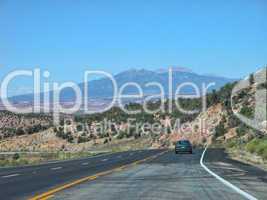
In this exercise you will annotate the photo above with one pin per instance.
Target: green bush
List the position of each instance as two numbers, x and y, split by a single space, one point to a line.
264 154
106 141
82 139
247 111
232 144
16 156
261 147
69 137
20 131
252 145
258 146
242 94
242 130
79 127
122 135
251 79
233 121
220 130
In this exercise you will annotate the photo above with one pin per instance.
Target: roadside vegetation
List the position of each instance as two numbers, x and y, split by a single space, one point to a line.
32 158
243 138
258 147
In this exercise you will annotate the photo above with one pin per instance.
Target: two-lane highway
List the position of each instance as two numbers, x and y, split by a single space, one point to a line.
25 182
152 174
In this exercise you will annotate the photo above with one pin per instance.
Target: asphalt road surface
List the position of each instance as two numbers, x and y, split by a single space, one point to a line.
167 176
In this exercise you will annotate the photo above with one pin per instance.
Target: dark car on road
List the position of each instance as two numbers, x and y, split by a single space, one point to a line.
183 146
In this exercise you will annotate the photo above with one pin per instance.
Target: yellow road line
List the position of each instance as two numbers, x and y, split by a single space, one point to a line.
48 197
50 193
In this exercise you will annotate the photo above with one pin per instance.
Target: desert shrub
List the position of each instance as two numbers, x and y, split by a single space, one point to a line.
66 136
242 94
231 144
106 141
233 121
137 135
122 135
252 145
132 131
203 140
68 122
251 79
69 137
214 98
196 128
16 156
29 130
37 128
220 130
20 131
103 135
242 129
262 146
247 111
227 104
264 154
225 93
82 139
79 127
60 134
61 122
223 120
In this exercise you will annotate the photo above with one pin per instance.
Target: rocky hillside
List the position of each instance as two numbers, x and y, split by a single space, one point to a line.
219 125
84 132
20 124
199 131
242 139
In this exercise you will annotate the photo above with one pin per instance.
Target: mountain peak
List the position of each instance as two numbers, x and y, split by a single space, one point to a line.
134 71
174 69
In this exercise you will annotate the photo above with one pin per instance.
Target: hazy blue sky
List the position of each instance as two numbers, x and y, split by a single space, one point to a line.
227 37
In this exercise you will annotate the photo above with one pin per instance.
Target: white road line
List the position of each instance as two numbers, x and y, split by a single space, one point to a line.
56 168
85 163
225 182
104 160
11 175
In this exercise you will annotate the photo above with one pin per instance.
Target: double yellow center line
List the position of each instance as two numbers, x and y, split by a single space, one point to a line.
50 193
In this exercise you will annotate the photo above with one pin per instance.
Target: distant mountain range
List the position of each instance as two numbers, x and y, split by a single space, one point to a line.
103 89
